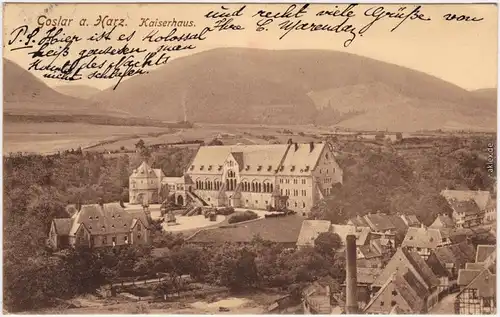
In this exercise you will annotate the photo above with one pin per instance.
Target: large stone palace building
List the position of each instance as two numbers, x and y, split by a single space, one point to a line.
289 175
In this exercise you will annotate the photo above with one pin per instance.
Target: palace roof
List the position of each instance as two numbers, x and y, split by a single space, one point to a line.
269 159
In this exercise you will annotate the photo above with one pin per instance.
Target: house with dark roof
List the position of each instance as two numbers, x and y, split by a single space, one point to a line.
423 240
365 278
404 261
469 206
410 220
401 291
100 225
443 221
478 284
446 261
466 213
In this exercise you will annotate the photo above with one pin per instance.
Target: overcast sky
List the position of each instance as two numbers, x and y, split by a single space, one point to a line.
459 52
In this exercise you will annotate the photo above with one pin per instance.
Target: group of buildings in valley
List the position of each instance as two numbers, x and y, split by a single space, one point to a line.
412 275
402 266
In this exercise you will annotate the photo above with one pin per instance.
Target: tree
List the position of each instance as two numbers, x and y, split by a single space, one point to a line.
327 243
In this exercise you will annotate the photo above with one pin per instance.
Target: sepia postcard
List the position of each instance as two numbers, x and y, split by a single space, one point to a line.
249 158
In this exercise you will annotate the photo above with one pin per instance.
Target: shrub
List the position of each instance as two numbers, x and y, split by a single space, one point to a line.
247 215
226 211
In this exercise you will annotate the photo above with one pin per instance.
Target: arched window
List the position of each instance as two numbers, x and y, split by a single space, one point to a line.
271 188
227 184
260 188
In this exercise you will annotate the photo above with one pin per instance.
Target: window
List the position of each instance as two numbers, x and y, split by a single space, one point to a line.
104 240
126 239
304 181
113 240
295 204
295 181
419 249
139 227
303 205
382 303
281 181
138 236
256 201
90 217
393 303
394 293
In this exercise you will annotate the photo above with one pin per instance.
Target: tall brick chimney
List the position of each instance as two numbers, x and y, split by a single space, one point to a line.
351 303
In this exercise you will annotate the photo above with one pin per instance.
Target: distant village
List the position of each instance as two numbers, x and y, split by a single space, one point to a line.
395 264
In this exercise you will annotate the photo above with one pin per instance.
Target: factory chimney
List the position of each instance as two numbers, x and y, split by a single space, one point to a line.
351 303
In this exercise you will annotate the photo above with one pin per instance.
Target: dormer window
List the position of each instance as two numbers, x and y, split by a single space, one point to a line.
103 228
90 227
90 217
307 168
118 216
113 216
259 168
96 217
269 168
220 167
247 168
282 168
293 168
124 224
202 167
209 167
192 167
112 226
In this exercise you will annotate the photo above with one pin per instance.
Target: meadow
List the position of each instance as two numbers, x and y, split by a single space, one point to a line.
46 138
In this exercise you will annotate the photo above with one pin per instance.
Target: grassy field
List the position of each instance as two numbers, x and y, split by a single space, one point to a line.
52 137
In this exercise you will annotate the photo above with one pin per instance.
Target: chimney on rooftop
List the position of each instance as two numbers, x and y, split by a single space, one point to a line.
296 146
351 304
78 205
290 141
311 146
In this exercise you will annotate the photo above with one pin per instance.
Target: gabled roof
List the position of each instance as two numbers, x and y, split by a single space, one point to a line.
380 222
299 156
468 207
359 221
483 251
403 261
480 197
398 223
144 171
310 230
411 220
423 237
443 221
455 254
105 219
413 293
258 159
483 281
63 226
344 230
